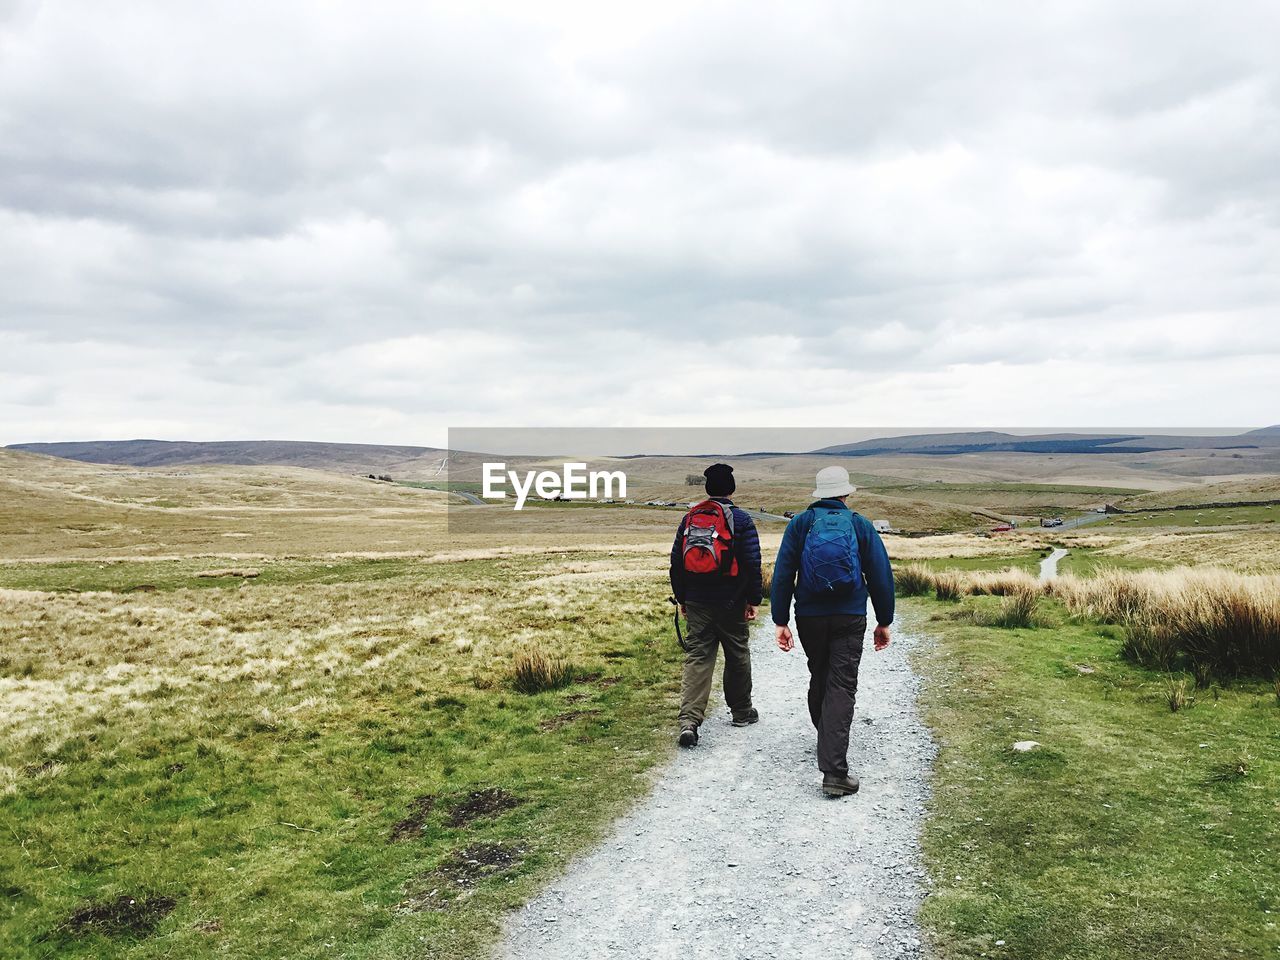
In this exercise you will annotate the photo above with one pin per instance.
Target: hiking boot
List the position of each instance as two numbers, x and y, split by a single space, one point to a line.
689 736
835 785
746 718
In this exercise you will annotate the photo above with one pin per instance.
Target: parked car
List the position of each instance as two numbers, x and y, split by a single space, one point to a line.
788 514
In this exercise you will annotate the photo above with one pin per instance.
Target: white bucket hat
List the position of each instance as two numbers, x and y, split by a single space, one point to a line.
833 482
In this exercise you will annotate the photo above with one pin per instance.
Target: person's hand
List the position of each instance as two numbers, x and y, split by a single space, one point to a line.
881 637
785 641
750 612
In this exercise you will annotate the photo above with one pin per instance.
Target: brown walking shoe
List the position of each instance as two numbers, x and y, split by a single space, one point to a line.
689 736
748 716
835 785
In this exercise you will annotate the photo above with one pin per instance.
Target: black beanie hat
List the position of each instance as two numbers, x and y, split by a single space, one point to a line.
719 480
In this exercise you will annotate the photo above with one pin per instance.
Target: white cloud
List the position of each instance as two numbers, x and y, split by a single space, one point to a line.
368 222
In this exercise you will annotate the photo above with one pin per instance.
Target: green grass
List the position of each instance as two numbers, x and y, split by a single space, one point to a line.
1121 836
1205 517
262 799
1085 562
466 486
1021 561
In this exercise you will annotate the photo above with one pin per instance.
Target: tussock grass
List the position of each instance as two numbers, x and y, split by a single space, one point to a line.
948 585
1212 621
916 579
1018 609
1176 694
1207 620
1010 582
913 580
534 671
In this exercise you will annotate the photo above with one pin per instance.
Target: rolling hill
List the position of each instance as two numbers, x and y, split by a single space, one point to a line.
407 461
990 441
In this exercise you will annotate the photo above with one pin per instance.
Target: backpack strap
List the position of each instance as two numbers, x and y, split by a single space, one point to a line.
727 510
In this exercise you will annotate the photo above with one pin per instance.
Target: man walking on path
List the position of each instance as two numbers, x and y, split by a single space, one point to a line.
715 577
839 561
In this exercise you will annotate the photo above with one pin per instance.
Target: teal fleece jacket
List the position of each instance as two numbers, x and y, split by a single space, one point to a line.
876 573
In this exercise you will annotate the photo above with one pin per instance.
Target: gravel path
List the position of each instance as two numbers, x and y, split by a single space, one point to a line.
1049 565
737 855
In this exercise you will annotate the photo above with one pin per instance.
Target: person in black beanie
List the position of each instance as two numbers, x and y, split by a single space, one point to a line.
715 577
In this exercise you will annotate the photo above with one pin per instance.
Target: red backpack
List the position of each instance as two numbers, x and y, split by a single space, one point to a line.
708 539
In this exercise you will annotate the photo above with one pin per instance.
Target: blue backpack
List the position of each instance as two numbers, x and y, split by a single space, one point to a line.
829 563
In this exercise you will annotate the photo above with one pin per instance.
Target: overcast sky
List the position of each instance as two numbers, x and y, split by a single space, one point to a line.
372 221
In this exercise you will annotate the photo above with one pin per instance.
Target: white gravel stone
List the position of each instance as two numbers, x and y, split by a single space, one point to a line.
737 852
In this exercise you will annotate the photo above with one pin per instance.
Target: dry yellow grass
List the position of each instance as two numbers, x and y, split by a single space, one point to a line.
57 509
70 657
914 579
1220 621
1002 583
1246 549
1212 620
964 545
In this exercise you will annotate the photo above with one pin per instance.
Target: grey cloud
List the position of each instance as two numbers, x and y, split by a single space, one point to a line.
403 214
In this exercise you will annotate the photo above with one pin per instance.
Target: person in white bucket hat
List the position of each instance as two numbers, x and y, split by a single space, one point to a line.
833 483
832 560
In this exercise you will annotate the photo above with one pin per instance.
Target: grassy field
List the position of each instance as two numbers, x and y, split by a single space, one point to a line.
1202 517
328 759
1251 548
1020 561
269 712
1085 562
1133 830
1242 491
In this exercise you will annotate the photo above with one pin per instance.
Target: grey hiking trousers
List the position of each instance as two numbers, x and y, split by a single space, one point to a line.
710 628
833 647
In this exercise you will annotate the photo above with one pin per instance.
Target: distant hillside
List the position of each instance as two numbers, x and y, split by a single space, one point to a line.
990 441
400 461
1261 449
55 507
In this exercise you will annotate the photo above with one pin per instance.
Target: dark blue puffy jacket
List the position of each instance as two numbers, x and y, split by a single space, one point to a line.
715 589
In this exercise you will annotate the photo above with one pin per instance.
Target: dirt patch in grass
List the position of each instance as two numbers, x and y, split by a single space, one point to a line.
562 720
482 803
411 826
133 916
245 573
458 874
